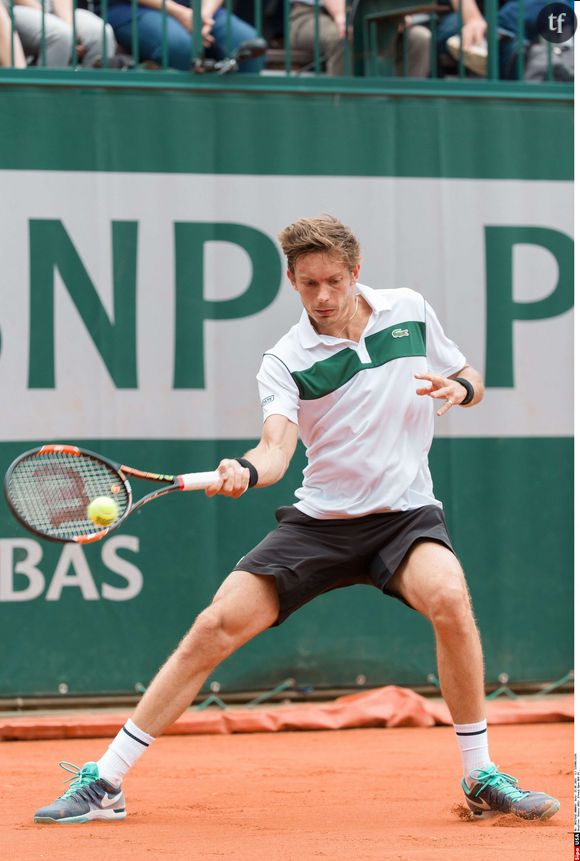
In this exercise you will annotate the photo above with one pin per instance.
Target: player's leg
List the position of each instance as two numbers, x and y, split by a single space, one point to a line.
431 580
244 605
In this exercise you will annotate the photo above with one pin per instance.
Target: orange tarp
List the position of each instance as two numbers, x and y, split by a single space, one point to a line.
383 707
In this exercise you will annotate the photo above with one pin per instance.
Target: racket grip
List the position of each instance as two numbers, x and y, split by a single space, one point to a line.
198 480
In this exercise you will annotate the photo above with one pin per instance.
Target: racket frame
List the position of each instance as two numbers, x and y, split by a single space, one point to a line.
189 481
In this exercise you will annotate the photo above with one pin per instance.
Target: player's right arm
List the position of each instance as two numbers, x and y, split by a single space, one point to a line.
271 458
273 454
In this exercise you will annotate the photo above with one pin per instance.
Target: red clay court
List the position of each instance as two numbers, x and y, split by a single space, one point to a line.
374 794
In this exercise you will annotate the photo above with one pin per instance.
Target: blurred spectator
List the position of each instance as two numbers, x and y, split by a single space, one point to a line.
58 23
273 20
562 61
10 57
331 33
414 39
28 24
180 24
475 30
89 31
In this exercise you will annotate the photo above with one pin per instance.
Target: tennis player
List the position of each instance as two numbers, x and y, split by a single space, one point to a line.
357 378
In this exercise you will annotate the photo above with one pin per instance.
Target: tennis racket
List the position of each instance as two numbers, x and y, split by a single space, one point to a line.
49 488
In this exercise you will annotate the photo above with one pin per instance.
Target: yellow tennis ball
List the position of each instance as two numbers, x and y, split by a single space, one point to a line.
103 511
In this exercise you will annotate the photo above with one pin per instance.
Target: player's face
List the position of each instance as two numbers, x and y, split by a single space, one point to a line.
327 288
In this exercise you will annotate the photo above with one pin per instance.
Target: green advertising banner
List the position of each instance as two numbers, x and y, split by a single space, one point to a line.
141 284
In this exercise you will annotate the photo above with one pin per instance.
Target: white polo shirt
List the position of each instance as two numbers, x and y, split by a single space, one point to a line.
367 433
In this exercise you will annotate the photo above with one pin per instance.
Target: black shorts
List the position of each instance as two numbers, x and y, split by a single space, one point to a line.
308 556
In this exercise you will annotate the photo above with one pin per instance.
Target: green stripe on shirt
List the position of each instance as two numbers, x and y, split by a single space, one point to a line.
396 342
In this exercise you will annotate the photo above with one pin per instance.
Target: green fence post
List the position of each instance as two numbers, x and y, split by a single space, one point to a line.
11 10
433 44
346 45
135 31
405 68
492 47
43 36
229 12
73 55
196 37
287 48
365 45
105 47
520 63
317 37
374 49
164 45
258 17
461 56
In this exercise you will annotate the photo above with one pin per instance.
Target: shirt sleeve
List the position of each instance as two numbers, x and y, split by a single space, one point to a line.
443 355
278 391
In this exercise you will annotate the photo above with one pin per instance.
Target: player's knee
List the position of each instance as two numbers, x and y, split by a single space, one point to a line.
209 636
450 606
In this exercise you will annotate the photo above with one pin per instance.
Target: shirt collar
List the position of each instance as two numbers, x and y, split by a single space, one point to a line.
309 337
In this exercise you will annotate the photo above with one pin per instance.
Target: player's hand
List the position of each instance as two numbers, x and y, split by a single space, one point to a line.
234 480
442 388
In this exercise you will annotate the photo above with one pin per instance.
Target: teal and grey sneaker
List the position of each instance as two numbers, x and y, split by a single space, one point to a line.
88 797
489 791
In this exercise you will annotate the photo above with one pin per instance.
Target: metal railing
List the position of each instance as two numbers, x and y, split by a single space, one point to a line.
364 38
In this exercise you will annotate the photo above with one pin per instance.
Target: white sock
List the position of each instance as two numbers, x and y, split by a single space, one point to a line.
127 747
473 743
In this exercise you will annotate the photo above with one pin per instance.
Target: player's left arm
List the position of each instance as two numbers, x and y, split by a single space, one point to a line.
451 391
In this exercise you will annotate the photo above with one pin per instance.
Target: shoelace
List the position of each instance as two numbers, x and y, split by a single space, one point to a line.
498 780
80 777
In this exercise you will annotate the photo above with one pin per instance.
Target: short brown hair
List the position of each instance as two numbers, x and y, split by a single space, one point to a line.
324 234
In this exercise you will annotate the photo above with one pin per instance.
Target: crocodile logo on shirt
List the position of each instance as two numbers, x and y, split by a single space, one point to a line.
400 333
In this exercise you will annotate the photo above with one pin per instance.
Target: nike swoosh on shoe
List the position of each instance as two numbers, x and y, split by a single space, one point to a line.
108 802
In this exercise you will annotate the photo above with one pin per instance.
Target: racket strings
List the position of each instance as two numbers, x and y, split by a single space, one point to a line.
51 492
